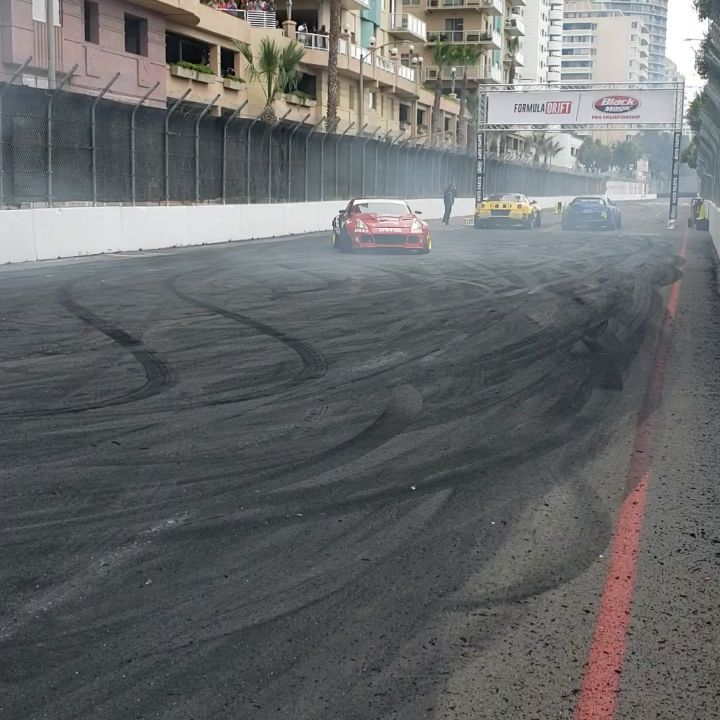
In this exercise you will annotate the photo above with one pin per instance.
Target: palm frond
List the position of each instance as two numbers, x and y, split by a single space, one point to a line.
444 53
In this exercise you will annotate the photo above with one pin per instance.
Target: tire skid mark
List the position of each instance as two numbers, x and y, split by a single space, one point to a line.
159 375
314 364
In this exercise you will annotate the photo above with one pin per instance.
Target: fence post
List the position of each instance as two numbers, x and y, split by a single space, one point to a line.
365 142
377 145
93 136
62 84
204 112
358 138
322 166
337 147
247 158
272 127
166 143
17 74
290 139
307 142
223 181
132 138
397 163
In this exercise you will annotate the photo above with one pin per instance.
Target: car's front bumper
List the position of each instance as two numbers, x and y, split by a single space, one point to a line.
400 240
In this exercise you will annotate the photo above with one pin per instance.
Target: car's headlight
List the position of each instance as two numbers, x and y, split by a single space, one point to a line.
360 226
416 226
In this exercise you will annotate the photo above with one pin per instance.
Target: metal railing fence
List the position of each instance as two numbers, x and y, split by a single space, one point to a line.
66 147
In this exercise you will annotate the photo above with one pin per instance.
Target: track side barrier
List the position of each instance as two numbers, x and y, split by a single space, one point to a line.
52 233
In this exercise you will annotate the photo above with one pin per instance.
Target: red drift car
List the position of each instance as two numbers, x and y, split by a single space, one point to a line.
380 223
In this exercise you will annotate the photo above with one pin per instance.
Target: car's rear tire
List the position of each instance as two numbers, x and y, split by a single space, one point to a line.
538 221
618 222
529 224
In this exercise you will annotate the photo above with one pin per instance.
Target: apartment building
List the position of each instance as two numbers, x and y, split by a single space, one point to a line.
653 15
152 43
542 45
603 46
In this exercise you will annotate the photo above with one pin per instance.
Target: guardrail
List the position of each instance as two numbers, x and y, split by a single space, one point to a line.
254 18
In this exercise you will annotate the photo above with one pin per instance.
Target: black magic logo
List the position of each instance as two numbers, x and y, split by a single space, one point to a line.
616 104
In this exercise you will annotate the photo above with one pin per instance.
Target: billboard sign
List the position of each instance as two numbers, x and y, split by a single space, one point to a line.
617 106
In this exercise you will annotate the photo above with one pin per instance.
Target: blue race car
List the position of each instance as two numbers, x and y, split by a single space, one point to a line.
592 211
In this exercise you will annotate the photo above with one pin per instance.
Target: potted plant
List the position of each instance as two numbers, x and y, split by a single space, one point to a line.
204 74
193 71
296 97
183 69
232 82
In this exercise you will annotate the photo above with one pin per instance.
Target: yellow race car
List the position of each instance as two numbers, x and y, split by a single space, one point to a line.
506 209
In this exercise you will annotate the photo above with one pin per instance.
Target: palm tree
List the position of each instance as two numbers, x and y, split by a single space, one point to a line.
466 56
331 118
552 148
539 145
512 46
277 69
443 56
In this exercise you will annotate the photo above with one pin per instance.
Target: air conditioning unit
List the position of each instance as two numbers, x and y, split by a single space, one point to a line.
432 73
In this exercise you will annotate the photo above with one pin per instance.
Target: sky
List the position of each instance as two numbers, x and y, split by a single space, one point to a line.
683 23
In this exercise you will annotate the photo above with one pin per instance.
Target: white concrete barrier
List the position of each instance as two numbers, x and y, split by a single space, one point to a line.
51 233
714 218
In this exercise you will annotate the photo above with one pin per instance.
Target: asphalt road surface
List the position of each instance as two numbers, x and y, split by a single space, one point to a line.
271 481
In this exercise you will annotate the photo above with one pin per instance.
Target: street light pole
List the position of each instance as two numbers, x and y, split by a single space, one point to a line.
50 27
363 58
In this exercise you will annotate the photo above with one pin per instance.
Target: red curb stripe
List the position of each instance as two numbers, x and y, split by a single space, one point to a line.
601 680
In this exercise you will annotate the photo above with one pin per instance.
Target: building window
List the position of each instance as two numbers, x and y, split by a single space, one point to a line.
308 85
633 38
573 152
372 99
135 35
228 62
91 17
633 25
39 14
179 47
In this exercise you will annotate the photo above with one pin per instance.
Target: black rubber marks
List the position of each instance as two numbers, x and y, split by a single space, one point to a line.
314 364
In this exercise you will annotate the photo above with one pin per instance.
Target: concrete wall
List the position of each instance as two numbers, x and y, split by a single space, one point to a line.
714 217
51 233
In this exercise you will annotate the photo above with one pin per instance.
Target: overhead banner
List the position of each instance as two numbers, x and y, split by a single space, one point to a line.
581 107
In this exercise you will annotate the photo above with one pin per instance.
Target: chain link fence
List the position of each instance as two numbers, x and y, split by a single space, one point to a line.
708 139
66 147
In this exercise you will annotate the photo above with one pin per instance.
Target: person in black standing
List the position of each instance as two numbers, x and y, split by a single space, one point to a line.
449 199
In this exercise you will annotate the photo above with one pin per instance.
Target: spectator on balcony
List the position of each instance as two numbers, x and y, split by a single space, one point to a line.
322 40
232 8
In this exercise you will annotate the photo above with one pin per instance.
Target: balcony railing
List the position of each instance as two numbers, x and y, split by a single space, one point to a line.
467 37
315 41
407 25
255 18
491 73
515 26
495 7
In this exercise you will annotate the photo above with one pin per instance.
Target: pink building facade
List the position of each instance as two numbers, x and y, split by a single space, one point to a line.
101 37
